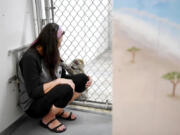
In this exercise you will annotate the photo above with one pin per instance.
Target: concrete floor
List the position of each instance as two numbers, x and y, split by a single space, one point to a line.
87 123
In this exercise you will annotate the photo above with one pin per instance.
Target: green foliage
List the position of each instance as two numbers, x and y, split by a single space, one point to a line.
172 76
133 49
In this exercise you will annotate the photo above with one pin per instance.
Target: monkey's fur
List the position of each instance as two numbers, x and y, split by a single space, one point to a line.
76 67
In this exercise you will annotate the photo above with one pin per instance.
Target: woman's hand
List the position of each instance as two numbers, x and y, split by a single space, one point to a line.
66 81
88 84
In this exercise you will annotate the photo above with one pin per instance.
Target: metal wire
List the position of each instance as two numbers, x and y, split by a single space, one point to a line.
87 26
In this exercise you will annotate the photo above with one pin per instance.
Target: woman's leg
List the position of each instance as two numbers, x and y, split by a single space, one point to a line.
51 104
80 81
59 96
52 115
75 96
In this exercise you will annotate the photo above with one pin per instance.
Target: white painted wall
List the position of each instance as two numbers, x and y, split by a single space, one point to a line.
16 29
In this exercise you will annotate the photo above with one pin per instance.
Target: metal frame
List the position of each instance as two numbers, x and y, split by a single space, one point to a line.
107 27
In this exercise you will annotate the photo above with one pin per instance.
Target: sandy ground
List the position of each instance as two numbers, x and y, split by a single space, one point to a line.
141 101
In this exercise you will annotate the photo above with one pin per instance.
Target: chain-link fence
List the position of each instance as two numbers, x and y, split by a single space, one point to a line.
87 26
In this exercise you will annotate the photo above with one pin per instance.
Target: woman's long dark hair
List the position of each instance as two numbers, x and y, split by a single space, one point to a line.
49 41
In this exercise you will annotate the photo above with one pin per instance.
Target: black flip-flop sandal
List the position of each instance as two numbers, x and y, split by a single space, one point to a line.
53 129
68 118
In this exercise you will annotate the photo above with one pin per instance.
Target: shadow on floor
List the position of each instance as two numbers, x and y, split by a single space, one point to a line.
87 123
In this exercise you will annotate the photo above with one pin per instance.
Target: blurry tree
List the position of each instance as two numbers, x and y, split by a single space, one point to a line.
174 78
133 51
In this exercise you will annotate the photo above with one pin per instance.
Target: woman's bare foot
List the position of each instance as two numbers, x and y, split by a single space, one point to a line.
66 115
53 124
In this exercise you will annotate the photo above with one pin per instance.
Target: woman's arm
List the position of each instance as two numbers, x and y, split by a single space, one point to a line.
48 86
30 69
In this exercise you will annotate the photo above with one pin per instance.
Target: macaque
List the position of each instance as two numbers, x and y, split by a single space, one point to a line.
76 67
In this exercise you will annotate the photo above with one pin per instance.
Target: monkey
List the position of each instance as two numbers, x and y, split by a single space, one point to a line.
76 67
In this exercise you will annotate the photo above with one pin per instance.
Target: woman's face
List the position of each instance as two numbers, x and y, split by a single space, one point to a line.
59 41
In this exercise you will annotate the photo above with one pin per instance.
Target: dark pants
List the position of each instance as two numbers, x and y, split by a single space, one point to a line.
59 96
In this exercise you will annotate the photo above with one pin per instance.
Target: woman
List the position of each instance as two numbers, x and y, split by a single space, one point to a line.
44 91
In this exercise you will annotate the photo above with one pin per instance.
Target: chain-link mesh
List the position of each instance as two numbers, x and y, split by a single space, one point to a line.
87 26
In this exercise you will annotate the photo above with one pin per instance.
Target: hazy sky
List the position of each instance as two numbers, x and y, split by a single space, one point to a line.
169 9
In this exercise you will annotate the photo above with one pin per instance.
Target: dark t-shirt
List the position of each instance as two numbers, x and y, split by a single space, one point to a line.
31 68
33 74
